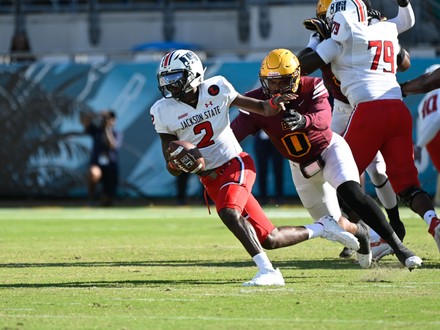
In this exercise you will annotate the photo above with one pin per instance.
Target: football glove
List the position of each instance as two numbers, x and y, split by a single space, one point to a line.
318 25
373 13
294 120
403 3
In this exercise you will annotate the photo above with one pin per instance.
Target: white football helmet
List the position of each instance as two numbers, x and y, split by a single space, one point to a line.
180 72
355 8
432 68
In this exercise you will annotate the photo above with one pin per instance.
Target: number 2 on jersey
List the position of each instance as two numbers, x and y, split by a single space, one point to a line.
384 51
206 129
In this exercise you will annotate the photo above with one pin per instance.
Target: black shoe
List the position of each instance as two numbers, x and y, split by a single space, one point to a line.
346 253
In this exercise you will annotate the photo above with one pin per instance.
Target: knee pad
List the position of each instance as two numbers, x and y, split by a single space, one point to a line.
408 195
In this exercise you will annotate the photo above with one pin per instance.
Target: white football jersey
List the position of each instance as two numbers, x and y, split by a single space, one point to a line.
363 58
207 126
428 122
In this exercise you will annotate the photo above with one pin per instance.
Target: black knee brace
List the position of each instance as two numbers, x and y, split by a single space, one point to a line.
407 195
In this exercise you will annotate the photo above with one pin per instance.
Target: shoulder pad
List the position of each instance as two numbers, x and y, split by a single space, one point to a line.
341 28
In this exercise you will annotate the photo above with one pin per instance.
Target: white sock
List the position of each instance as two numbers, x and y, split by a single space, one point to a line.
428 216
262 261
315 230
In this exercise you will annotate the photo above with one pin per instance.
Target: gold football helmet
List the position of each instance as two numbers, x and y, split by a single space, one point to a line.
280 72
321 8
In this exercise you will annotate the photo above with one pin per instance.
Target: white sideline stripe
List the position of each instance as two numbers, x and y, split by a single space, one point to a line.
229 319
154 300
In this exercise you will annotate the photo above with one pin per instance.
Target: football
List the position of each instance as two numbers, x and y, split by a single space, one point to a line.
186 157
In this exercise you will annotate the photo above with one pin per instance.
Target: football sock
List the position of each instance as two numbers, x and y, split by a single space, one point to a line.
262 261
395 222
428 217
315 230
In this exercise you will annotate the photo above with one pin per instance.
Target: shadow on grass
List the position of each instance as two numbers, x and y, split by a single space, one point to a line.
329 263
117 284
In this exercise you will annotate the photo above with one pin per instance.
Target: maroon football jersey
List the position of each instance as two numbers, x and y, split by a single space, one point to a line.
333 84
300 146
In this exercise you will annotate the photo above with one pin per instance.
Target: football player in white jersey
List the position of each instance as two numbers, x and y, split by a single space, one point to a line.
428 129
197 111
342 111
364 60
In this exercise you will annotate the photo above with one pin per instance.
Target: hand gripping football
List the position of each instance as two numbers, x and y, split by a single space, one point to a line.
186 157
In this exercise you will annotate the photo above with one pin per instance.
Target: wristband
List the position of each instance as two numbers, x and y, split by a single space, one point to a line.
272 105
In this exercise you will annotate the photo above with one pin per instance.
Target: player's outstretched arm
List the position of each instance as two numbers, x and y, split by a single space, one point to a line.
265 108
422 84
310 62
405 18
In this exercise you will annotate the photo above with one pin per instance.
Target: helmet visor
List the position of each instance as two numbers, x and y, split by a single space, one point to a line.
175 79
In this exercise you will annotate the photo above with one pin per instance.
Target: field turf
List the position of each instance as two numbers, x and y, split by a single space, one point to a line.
180 268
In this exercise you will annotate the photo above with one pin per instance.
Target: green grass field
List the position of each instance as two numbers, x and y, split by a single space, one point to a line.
180 268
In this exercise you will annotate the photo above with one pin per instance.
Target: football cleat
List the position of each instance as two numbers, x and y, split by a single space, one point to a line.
434 230
333 232
346 253
269 277
408 258
413 262
380 249
364 255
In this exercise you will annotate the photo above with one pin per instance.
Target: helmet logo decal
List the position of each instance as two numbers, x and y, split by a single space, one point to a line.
188 59
342 6
213 90
167 59
337 6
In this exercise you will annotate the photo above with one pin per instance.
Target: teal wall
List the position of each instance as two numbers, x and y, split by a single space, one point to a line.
44 153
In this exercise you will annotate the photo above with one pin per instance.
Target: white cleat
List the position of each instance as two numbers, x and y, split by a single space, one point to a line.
380 249
413 262
365 260
270 277
334 233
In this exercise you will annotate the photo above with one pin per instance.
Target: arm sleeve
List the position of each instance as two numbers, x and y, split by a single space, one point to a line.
405 19
328 50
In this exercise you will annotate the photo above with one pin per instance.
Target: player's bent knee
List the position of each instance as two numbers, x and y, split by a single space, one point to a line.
407 196
270 242
350 191
229 216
